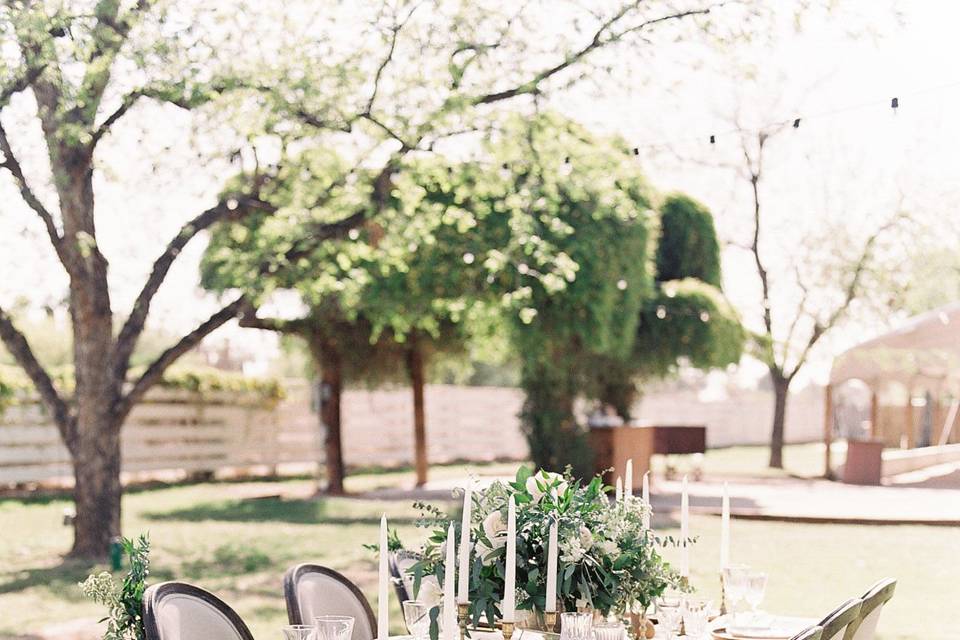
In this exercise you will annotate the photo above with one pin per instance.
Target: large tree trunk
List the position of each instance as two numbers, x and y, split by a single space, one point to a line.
781 388
331 394
97 491
415 367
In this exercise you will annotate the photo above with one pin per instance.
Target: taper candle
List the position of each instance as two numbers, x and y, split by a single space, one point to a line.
510 577
646 499
619 493
383 602
684 531
628 484
450 629
551 602
463 584
725 529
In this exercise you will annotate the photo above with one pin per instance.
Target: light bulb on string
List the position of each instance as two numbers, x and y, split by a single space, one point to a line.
895 104
661 312
505 171
567 167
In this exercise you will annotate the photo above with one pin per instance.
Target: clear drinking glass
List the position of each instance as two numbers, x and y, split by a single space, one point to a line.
576 626
696 612
416 614
608 630
756 582
333 627
668 615
734 586
298 632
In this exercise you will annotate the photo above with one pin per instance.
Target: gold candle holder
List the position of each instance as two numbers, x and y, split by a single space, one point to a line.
550 621
507 628
463 616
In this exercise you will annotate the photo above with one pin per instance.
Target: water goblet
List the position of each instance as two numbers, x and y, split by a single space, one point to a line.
734 586
608 630
695 612
668 614
576 626
416 614
333 627
756 587
298 632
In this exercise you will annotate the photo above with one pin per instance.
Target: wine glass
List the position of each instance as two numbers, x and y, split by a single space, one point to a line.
735 586
608 630
416 614
298 632
696 612
333 627
756 587
668 614
576 626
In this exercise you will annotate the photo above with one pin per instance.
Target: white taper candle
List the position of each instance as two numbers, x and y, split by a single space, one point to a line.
619 494
450 630
463 584
646 499
551 602
510 577
383 602
725 528
628 484
684 531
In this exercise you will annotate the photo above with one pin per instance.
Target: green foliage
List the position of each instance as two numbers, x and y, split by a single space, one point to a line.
124 602
688 245
607 558
15 385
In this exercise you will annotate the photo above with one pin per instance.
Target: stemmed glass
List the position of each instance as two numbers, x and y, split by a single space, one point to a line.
735 586
576 626
668 614
333 627
696 612
298 632
756 587
417 616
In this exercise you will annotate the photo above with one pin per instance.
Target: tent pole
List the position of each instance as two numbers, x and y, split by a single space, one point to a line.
827 429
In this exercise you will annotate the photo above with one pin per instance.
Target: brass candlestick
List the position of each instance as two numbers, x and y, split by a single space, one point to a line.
550 621
507 628
463 616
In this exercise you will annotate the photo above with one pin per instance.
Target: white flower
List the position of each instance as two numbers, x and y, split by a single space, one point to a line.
553 482
610 548
495 529
586 538
430 591
485 554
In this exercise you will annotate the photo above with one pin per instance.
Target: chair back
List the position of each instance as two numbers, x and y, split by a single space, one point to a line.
181 611
400 561
865 626
836 623
813 633
311 590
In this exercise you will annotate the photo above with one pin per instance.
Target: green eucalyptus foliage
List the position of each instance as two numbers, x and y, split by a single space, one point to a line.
124 601
688 245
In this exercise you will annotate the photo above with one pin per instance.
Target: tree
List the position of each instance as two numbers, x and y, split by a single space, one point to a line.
834 272
89 69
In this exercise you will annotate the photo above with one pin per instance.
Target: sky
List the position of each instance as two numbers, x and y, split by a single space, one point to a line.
850 164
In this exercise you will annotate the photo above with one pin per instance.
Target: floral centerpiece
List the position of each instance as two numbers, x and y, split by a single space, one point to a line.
609 562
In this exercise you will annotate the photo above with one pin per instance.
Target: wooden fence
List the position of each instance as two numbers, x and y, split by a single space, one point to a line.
169 430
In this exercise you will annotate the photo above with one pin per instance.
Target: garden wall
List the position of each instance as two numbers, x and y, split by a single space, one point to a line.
186 432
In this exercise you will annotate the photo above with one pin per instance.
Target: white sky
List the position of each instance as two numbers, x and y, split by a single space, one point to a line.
847 168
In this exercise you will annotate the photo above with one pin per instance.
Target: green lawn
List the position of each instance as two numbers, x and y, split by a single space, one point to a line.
804 460
224 538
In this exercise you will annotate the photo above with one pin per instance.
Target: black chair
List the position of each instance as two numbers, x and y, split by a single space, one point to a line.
836 623
865 626
399 562
311 590
181 611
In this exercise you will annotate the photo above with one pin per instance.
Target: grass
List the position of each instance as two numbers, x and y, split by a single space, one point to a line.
231 539
803 460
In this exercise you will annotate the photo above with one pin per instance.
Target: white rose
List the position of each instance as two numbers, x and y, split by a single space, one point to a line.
430 591
553 482
610 548
495 529
586 538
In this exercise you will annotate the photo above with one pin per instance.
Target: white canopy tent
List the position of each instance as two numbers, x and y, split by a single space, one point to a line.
921 356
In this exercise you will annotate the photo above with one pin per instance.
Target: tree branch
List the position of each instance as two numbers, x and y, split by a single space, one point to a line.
231 208
11 164
249 320
155 371
17 344
19 84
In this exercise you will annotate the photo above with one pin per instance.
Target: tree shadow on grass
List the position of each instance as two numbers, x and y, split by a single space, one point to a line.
269 510
61 579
